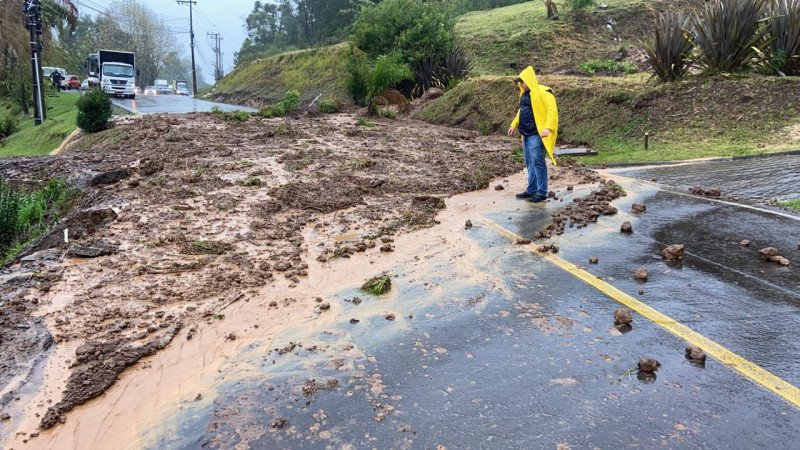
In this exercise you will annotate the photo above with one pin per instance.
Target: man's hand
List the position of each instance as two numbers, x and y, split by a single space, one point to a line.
545 133
511 131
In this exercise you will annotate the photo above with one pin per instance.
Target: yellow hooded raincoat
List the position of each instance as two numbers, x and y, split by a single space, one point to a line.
545 111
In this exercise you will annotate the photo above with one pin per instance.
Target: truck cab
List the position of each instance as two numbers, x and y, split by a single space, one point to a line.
114 71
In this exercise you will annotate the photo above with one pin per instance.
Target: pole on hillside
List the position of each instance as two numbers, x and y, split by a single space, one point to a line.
217 55
33 21
191 37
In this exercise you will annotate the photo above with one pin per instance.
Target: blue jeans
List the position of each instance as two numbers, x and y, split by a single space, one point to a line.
533 149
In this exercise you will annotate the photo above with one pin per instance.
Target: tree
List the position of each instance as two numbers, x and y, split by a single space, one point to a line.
552 10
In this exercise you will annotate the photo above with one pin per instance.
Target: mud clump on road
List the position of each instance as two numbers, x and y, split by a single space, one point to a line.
713 192
772 254
622 316
312 387
638 208
552 248
696 355
584 211
641 274
594 260
745 243
648 365
673 252
626 227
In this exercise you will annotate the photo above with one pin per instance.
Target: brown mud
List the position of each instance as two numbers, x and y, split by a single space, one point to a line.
194 235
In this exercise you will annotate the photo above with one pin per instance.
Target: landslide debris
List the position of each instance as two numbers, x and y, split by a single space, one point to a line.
586 210
184 233
772 254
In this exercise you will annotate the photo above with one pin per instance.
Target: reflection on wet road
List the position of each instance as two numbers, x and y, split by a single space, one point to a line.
752 178
526 356
173 104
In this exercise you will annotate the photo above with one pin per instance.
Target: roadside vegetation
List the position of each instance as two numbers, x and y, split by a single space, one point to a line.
32 140
791 204
24 216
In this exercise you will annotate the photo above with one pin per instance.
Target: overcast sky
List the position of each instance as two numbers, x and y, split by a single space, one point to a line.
223 16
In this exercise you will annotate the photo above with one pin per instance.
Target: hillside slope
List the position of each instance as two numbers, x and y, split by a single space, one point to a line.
313 72
693 119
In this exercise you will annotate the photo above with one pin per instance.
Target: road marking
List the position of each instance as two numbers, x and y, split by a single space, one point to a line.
749 369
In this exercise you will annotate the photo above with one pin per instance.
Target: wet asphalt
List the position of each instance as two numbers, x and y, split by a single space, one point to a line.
173 104
535 361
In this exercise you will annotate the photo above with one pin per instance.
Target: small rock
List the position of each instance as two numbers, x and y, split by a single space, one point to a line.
5 416
356 301
390 317
279 423
745 243
640 274
638 208
354 321
231 336
386 248
622 316
594 260
499 187
111 177
696 355
468 225
523 241
768 252
641 291
551 194
552 248
648 365
318 299
780 260
569 188
626 227
198 397
673 252
325 306
85 251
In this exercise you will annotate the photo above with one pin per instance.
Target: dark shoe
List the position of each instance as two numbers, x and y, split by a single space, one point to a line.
524 195
537 198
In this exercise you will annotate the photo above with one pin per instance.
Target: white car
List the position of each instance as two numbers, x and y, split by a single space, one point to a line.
85 84
182 91
150 90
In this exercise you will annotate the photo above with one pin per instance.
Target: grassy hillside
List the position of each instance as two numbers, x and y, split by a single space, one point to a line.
693 119
31 140
265 81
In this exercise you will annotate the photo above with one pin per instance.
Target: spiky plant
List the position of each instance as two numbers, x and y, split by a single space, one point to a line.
670 50
729 34
784 28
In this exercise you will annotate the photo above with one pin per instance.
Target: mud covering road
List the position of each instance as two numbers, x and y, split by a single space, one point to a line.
191 215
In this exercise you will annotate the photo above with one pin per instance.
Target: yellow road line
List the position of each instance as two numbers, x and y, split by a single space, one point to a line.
749 369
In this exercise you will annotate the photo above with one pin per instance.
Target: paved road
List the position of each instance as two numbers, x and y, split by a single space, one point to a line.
538 364
173 104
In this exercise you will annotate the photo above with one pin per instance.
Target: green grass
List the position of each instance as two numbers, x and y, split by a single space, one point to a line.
33 140
24 216
378 285
511 38
791 204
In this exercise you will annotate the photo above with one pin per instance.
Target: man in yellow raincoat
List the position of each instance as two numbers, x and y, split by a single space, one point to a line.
537 122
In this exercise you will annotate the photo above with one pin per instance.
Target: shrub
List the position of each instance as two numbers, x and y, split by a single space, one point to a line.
413 29
442 71
24 216
729 34
94 111
369 80
388 113
288 105
328 106
670 50
485 127
784 28
579 7
8 126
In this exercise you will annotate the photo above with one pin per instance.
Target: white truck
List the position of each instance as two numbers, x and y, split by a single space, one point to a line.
163 87
114 71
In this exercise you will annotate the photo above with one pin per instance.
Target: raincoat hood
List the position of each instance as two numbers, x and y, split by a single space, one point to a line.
529 77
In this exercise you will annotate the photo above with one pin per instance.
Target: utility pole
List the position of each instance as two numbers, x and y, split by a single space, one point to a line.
218 53
191 36
33 21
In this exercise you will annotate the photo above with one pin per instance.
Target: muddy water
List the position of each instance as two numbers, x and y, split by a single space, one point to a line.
141 410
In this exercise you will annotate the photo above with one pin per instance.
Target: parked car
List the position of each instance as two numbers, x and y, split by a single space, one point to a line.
150 90
182 90
72 82
85 84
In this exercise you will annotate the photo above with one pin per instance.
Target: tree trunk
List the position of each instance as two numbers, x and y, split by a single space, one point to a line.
552 10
